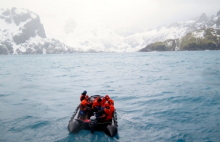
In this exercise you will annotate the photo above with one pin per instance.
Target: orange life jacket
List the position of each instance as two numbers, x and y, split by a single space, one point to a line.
96 103
108 114
112 108
103 102
83 105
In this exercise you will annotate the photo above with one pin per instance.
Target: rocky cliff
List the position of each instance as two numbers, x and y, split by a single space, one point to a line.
203 34
21 32
203 39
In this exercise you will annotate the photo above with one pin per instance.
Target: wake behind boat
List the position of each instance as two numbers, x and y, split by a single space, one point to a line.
91 122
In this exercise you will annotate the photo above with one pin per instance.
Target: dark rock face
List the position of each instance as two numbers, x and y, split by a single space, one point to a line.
18 18
6 49
3 50
6 16
32 27
209 41
30 30
167 45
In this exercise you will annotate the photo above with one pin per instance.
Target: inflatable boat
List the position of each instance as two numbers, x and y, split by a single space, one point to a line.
92 123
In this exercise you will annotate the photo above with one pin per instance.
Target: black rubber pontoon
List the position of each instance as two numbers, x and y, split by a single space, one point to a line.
91 123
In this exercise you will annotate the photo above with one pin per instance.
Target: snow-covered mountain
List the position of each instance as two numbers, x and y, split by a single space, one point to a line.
100 39
202 33
172 31
21 32
106 40
202 39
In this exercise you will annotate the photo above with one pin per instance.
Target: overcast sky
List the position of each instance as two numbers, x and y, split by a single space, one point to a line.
60 17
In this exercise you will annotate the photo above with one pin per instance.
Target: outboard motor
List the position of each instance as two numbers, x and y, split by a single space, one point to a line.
111 130
92 123
74 126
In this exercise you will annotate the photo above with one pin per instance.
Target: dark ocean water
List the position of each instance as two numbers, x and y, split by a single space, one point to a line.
159 96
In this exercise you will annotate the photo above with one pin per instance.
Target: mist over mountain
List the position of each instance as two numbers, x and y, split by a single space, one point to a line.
104 39
22 32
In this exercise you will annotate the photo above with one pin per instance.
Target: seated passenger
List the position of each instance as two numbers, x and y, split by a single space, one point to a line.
96 106
97 103
103 103
89 108
107 97
83 107
107 113
83 95
111 105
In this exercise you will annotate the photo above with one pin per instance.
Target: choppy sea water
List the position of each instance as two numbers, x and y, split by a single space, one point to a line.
159 96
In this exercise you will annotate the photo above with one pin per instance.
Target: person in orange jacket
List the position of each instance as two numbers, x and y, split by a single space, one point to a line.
96 106
111 105
107 113
103 103
89 108
83 107
82 97
97 103
107 97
